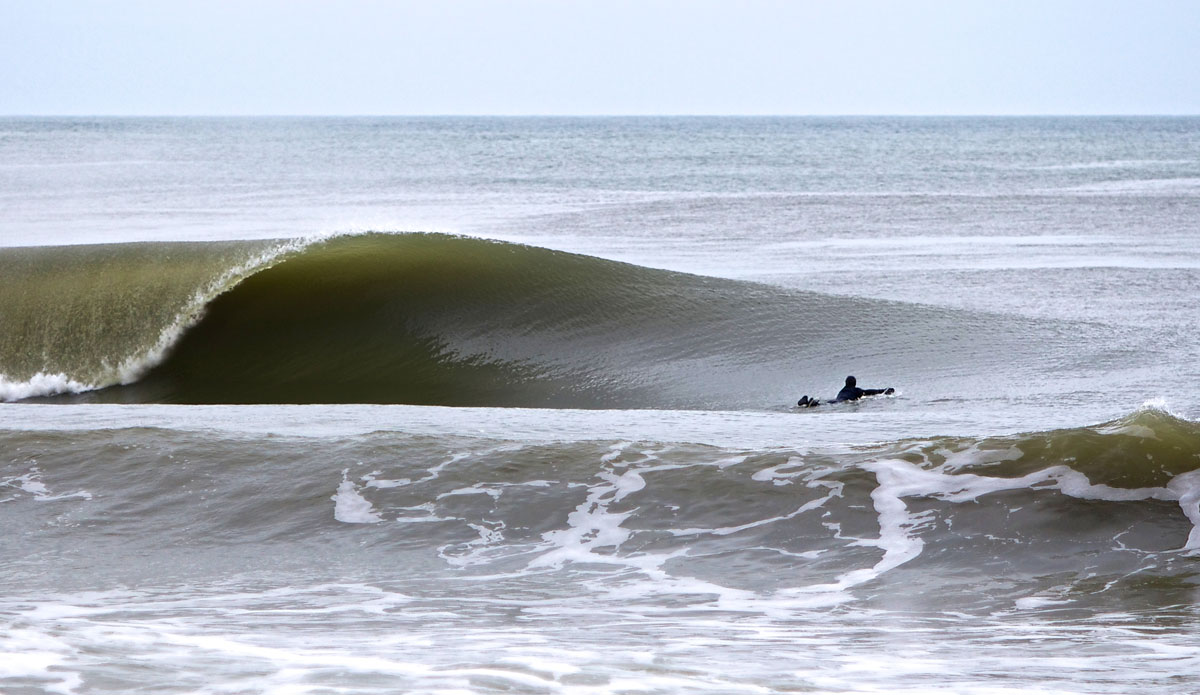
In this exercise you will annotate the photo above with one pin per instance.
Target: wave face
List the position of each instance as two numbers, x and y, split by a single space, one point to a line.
438 319
980 521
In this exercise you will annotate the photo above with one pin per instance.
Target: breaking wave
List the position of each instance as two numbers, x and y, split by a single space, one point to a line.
437 319
1060 513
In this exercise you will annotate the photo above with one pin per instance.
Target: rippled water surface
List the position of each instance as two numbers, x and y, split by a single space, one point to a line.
505 405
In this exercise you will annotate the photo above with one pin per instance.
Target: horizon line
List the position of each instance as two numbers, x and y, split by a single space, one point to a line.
602 115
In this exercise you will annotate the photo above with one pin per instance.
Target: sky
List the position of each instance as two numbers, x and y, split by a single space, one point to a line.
533 57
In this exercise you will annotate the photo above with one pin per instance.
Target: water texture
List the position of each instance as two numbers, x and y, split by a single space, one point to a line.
473 405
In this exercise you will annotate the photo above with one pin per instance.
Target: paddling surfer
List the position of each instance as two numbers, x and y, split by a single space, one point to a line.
849 392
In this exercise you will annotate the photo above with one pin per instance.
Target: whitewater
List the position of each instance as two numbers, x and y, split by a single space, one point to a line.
451 405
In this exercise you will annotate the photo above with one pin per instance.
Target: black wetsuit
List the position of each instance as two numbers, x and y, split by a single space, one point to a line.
853 393
850 392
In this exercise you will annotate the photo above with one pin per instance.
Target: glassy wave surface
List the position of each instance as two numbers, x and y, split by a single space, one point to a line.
444 320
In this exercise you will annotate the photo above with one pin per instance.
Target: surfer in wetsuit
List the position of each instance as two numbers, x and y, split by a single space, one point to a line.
849 392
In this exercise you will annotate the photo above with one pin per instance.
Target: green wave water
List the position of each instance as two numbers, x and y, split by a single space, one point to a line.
438 319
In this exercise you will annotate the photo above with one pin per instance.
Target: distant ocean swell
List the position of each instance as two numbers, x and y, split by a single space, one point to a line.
1065 512
437 319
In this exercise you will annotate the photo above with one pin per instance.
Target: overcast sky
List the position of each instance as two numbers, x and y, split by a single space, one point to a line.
610 57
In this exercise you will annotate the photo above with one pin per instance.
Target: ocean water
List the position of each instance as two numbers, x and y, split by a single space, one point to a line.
474 405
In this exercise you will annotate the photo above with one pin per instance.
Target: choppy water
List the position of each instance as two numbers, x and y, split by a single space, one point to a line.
497 405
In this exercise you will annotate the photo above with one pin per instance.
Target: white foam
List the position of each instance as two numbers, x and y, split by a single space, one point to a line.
1032 602
973 456
308 639
594 535
557 669
782 474
899 545
32 483
372 481
349 507
40 384
477 489
1160 405
591 526
1186 487
36 655
725 429
614 452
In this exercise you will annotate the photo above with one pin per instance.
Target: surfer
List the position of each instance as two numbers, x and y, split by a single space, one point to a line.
849 392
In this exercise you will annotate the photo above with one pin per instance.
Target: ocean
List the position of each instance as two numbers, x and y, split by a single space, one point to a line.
508 405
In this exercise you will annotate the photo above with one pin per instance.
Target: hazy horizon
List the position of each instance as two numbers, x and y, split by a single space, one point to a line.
535 58
814 116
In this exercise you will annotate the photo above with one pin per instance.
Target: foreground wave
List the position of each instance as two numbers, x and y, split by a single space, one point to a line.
510 566
438 319
1118 502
